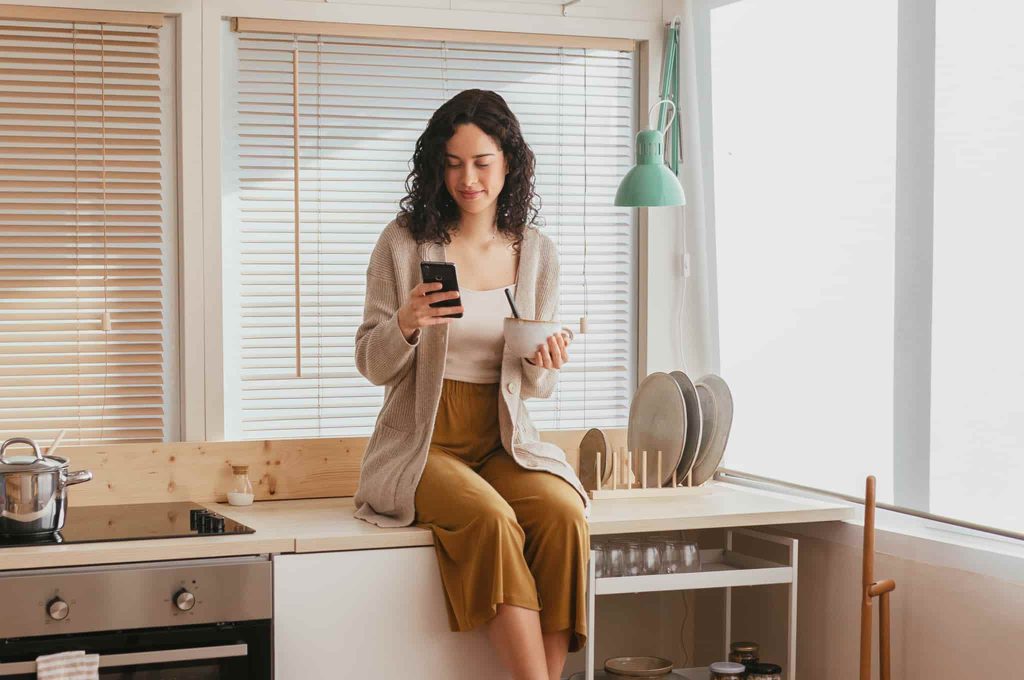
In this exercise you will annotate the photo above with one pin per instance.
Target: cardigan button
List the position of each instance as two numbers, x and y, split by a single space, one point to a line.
512 388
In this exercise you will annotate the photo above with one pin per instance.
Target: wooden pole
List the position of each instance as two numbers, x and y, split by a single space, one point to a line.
643 478
871 590
659 469
867 579
629 469
597 471
883 636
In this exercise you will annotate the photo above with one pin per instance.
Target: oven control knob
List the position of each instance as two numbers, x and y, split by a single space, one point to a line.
184 600
58 609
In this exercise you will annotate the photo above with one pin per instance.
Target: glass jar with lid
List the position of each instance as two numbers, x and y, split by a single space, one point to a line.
744 652
764 671
241 492
726 670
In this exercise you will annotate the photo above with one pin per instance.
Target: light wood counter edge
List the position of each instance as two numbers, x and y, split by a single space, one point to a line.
298 527
120 552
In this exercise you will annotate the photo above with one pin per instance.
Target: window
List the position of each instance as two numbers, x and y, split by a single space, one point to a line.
363 102
868 270
804 166
87 230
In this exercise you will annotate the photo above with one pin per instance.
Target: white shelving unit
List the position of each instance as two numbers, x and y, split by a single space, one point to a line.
677 674
719 569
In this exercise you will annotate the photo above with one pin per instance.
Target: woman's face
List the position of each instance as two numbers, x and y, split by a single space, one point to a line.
475 169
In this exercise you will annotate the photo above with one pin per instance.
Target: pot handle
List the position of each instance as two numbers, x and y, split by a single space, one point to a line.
19 440
78 477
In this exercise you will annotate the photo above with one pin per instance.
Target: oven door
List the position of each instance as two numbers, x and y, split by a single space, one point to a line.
219 652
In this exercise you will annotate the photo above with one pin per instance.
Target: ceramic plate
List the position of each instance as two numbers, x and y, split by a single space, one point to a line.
638 666
716 404
594 441
694 424
657 422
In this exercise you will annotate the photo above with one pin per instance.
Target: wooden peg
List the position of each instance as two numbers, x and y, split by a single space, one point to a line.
597 471
643 475
689 478
659 469
629 470
673 479
615 468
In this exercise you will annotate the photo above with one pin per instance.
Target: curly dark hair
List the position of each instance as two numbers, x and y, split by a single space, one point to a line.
428 210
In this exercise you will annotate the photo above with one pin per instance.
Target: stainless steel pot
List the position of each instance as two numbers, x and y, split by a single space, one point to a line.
33 497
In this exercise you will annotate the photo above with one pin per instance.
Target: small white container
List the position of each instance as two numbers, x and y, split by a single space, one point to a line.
241 492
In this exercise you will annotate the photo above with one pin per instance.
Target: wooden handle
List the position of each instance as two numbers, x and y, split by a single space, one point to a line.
882 588
56 442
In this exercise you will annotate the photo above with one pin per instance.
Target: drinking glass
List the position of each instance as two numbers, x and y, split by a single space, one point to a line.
615 560
600 557
690 556
652 559
671 556
634 559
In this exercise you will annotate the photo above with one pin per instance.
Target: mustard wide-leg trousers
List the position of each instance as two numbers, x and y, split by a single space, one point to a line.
502 534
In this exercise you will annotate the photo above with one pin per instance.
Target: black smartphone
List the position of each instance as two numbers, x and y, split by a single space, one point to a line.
445 273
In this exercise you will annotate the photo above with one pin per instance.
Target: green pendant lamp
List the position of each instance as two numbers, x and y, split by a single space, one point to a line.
650 182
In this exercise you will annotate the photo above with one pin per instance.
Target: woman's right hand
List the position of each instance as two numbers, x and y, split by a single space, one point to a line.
417 312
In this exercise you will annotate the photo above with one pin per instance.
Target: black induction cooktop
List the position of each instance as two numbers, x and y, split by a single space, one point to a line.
91 524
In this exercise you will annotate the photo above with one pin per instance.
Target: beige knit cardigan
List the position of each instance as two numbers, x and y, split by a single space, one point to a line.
412 374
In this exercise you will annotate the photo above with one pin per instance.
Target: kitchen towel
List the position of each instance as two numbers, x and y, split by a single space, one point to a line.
68 666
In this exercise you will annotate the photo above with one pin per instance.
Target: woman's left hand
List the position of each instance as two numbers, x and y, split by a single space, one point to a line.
553 354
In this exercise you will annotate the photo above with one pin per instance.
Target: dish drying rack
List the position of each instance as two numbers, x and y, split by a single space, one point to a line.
624 481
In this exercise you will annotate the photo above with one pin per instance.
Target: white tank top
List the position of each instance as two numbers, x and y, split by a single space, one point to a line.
476 342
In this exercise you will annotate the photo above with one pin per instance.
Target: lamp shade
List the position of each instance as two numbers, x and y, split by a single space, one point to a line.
649 182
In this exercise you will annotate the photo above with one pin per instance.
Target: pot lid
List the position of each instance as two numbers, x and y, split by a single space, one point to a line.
33 462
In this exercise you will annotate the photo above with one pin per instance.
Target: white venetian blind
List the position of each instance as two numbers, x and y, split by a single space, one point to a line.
363 102
82 220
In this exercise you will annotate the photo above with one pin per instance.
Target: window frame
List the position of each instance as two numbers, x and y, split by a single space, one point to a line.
216 15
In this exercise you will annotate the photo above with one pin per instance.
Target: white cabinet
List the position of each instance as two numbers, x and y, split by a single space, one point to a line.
370 614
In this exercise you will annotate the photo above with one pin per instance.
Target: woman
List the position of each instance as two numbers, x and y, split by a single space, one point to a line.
454 449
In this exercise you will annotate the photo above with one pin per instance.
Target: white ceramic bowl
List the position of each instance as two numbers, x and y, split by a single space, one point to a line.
525 336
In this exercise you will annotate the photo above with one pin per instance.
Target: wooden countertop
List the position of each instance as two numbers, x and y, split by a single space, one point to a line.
324 525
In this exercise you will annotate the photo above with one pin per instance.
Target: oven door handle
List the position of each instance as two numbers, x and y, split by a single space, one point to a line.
142 658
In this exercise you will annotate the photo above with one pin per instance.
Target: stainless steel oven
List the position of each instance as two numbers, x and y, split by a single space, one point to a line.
186 620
